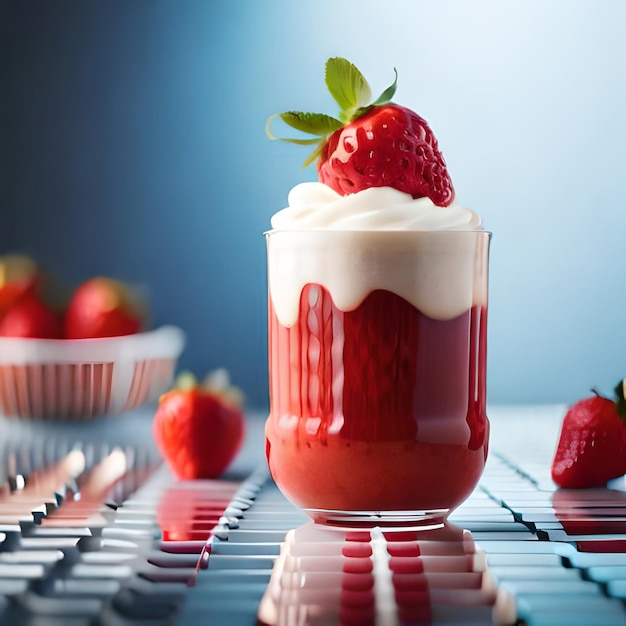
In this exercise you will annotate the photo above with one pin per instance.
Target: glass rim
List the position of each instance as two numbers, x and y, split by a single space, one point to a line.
346 231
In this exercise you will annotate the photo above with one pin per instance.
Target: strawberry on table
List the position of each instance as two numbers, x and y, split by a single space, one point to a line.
592 445
372 144
199 428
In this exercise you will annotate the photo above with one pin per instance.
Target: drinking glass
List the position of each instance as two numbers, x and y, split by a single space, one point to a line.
377 369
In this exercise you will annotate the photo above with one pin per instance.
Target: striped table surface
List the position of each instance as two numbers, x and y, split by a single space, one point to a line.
97 533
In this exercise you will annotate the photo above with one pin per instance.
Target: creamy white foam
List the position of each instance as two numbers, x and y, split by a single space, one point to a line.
314 205
379 238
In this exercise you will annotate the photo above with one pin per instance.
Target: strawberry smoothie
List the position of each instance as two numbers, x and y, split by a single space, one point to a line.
377 355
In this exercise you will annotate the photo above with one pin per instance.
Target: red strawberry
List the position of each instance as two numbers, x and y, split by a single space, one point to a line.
103 307
18 275
592 444
388 146
199 429
371 145
30 317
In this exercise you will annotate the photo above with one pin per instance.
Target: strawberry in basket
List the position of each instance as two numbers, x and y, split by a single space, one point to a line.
23 310
103 307
30 317
19 275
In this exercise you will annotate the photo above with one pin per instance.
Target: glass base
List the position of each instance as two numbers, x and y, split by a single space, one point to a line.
416 520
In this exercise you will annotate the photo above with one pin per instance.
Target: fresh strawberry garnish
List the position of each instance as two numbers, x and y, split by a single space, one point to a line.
103 307
388 146
32 318
199 428
592 444
379 144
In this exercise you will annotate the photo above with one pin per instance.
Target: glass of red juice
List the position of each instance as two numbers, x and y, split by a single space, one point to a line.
377 368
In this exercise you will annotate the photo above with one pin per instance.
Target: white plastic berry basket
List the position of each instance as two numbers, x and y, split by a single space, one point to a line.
79 379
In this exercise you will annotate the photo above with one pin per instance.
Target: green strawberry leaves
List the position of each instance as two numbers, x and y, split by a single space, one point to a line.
620 402
387 95
352 93
312 123
350 89
316 124
347 86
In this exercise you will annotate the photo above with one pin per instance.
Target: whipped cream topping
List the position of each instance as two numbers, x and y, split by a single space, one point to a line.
315 206
379 238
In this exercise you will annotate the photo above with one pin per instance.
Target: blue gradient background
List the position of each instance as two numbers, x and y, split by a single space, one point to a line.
132 144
